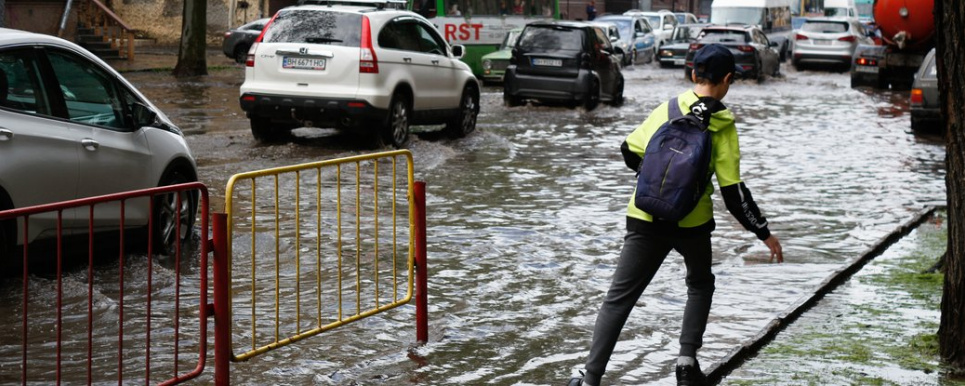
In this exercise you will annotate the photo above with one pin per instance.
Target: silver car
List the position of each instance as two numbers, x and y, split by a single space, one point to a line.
636 34
925 111
828 41
72 127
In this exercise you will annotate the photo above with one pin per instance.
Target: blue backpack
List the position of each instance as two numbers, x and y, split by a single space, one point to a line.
673 173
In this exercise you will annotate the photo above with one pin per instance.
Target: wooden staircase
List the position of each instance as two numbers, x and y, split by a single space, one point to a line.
103 33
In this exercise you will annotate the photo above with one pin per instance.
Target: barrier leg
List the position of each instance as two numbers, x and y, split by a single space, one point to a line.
222 324
421 267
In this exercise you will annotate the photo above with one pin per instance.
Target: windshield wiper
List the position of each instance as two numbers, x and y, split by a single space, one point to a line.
316 39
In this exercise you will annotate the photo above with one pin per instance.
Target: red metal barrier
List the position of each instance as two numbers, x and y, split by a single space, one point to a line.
421 266
69 334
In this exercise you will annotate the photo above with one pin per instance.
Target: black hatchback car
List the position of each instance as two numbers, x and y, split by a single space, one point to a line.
563 61
758 56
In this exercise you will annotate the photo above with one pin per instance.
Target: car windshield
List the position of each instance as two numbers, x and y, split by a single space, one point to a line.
551 39
622 25
724 37
836 12
685 33
510 40
931 72
743 15
304 26
654 20
828 27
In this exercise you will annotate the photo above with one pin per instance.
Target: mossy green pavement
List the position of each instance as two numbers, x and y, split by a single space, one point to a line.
878 328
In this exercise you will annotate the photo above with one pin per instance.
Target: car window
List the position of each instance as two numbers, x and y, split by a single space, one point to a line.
825 27
20 84
760 37
931 70
305 26
551 39
723 36
429 41
669 20
89 93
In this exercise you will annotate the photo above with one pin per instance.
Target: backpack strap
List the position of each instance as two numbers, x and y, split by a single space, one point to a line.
674 108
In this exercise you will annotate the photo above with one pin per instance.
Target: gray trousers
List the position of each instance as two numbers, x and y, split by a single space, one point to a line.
643 253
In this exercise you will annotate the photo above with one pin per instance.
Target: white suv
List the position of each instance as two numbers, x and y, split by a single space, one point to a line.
663 23
359 65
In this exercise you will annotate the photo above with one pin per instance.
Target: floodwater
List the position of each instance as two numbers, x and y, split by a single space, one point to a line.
526 219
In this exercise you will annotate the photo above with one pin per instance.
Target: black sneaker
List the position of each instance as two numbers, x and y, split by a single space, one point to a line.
690 375
576 381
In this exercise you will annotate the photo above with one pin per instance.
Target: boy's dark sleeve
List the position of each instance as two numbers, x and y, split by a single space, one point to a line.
741 205
632 159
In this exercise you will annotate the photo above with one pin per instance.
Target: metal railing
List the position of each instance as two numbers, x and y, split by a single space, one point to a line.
97 16
145 302
315 246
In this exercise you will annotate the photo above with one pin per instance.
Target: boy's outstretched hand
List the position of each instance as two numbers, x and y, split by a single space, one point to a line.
775 246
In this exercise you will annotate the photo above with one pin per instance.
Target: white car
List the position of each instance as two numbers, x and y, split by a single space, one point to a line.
72 127
359 65
663 23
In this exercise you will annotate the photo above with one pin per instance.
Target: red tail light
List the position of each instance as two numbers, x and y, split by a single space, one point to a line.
848 38
695 46
227 34
865 62
250 59
745 48
917 97
800 37
368 62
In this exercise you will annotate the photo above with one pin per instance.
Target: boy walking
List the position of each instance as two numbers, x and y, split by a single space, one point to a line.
649 240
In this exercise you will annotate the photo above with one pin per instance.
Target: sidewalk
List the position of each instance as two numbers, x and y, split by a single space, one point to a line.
164 58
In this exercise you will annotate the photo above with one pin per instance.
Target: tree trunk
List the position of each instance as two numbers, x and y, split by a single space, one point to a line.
949 24
191 54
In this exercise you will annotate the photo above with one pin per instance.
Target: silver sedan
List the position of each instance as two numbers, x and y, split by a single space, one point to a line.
828 41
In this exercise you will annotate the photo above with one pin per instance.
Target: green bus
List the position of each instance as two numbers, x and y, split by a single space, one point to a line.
481 25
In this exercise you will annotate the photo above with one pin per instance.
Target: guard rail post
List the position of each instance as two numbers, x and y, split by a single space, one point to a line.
421 266
222 321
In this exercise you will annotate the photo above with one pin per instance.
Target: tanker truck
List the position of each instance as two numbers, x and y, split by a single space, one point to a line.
907 30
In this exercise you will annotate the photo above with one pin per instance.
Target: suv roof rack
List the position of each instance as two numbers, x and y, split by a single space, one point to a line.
380 4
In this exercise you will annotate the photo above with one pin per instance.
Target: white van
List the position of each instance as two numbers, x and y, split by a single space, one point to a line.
772 16
840 8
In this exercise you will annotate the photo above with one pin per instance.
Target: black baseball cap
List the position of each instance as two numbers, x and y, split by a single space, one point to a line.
714 61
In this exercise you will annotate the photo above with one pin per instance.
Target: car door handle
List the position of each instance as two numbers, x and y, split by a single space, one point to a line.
89 144
407 60
435 62
5 135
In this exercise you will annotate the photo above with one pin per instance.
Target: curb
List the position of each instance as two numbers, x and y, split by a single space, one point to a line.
733 360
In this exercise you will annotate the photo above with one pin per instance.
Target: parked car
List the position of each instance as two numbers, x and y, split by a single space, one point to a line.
663 23
72 127
830 41
563 61
636 33
238 41
925 110
357 65
674 53
752 51
686 18
620 48
494 63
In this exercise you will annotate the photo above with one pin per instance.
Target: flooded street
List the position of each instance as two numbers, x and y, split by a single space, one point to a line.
526 220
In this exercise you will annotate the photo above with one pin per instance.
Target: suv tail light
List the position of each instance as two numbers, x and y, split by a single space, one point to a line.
745 48
250 59
695 46
917 97
368 62
800 37
849 38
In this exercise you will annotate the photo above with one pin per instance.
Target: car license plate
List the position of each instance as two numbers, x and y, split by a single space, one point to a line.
868 69
678 62
302 63
822 42
548 62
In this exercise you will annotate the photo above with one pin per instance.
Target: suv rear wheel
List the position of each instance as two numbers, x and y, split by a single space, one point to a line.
465 122
592 97
617 94
396 127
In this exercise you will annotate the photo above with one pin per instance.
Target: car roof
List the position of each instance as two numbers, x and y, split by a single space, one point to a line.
561 23
730 27
13 36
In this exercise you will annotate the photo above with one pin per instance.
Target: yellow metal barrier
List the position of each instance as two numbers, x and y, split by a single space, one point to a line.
294 236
